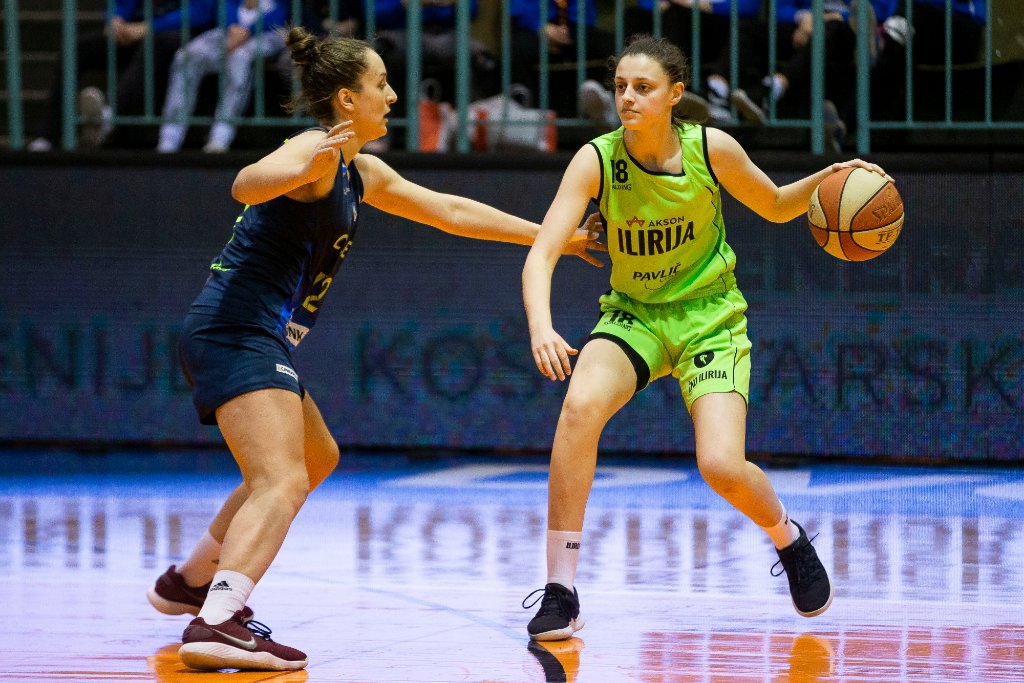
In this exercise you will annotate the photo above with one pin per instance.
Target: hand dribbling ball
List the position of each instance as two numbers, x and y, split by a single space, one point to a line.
855 214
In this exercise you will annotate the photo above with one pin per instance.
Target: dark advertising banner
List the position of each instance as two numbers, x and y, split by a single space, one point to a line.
422 340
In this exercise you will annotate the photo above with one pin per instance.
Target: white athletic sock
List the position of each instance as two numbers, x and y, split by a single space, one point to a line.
201 565
228 594
778 87
563 551
784 533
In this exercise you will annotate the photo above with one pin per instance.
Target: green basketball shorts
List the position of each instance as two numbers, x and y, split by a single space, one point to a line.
701 342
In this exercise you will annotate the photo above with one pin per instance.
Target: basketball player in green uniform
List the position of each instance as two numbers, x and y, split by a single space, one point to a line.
674 309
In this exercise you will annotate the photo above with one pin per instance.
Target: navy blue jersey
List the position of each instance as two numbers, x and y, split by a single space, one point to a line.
279 264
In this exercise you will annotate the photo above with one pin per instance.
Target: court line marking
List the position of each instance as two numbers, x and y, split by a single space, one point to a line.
893 483
478 476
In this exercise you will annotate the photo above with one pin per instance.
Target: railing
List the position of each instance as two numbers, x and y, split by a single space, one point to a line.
815 123
15 119
986 122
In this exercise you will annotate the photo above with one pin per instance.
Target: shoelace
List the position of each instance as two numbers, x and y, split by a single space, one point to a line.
259 629
801 564
550 602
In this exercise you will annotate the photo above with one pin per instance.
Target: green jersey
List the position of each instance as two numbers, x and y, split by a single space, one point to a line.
666 235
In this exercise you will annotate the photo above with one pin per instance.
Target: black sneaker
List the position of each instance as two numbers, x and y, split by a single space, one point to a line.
808 581
559 614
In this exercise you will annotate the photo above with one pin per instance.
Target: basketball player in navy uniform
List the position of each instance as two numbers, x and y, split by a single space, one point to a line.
262 297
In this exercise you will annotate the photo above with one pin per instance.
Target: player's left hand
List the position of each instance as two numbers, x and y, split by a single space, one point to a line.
586 239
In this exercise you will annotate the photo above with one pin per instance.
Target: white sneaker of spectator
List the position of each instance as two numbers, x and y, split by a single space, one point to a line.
39 145
220 139
597 104
172 135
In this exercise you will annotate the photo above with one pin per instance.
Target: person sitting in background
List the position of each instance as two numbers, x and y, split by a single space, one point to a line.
251 34
346 23
677 22
888 78
437 47
561 31
790 85
715 20
127 27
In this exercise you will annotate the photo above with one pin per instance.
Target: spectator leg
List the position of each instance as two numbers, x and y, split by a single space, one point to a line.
191 63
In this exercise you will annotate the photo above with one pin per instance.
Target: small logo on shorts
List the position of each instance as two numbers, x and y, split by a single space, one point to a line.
287 371
702 359
707 374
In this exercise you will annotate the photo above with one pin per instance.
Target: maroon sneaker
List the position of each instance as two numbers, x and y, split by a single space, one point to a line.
171 595
234 645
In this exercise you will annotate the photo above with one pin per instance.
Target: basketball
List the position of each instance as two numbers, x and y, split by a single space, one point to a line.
855 214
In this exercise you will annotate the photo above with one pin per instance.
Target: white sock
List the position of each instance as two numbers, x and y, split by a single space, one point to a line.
228 594
778 87
563 551
719 86
201 565
784 533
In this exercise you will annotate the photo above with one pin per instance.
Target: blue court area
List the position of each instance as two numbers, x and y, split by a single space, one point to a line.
409 568
665 482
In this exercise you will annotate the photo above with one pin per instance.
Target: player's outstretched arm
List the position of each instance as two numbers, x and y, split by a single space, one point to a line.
752 187
388 191
580 182
297 168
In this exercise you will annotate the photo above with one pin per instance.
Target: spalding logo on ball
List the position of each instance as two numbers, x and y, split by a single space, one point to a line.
855 214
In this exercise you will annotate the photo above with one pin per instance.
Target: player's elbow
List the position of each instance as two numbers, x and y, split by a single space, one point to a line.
240 191
542 257
781 211
780 216
455 215
245 192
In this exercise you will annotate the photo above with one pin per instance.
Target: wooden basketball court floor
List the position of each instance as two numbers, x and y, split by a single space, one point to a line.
406 570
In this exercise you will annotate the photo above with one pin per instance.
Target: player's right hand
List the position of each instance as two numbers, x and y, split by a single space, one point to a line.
327 151
551 354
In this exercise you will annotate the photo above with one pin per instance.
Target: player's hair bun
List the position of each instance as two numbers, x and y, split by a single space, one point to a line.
303 46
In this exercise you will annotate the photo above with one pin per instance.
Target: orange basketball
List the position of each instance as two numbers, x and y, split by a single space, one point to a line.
855 214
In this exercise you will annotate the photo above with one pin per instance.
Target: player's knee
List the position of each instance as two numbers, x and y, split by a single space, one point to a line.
723 476
332 455
323 463
289 491
582 411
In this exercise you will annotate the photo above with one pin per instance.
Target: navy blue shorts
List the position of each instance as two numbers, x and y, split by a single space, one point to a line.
222 360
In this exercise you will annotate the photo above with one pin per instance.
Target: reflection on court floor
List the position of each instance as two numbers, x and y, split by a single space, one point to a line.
411 570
